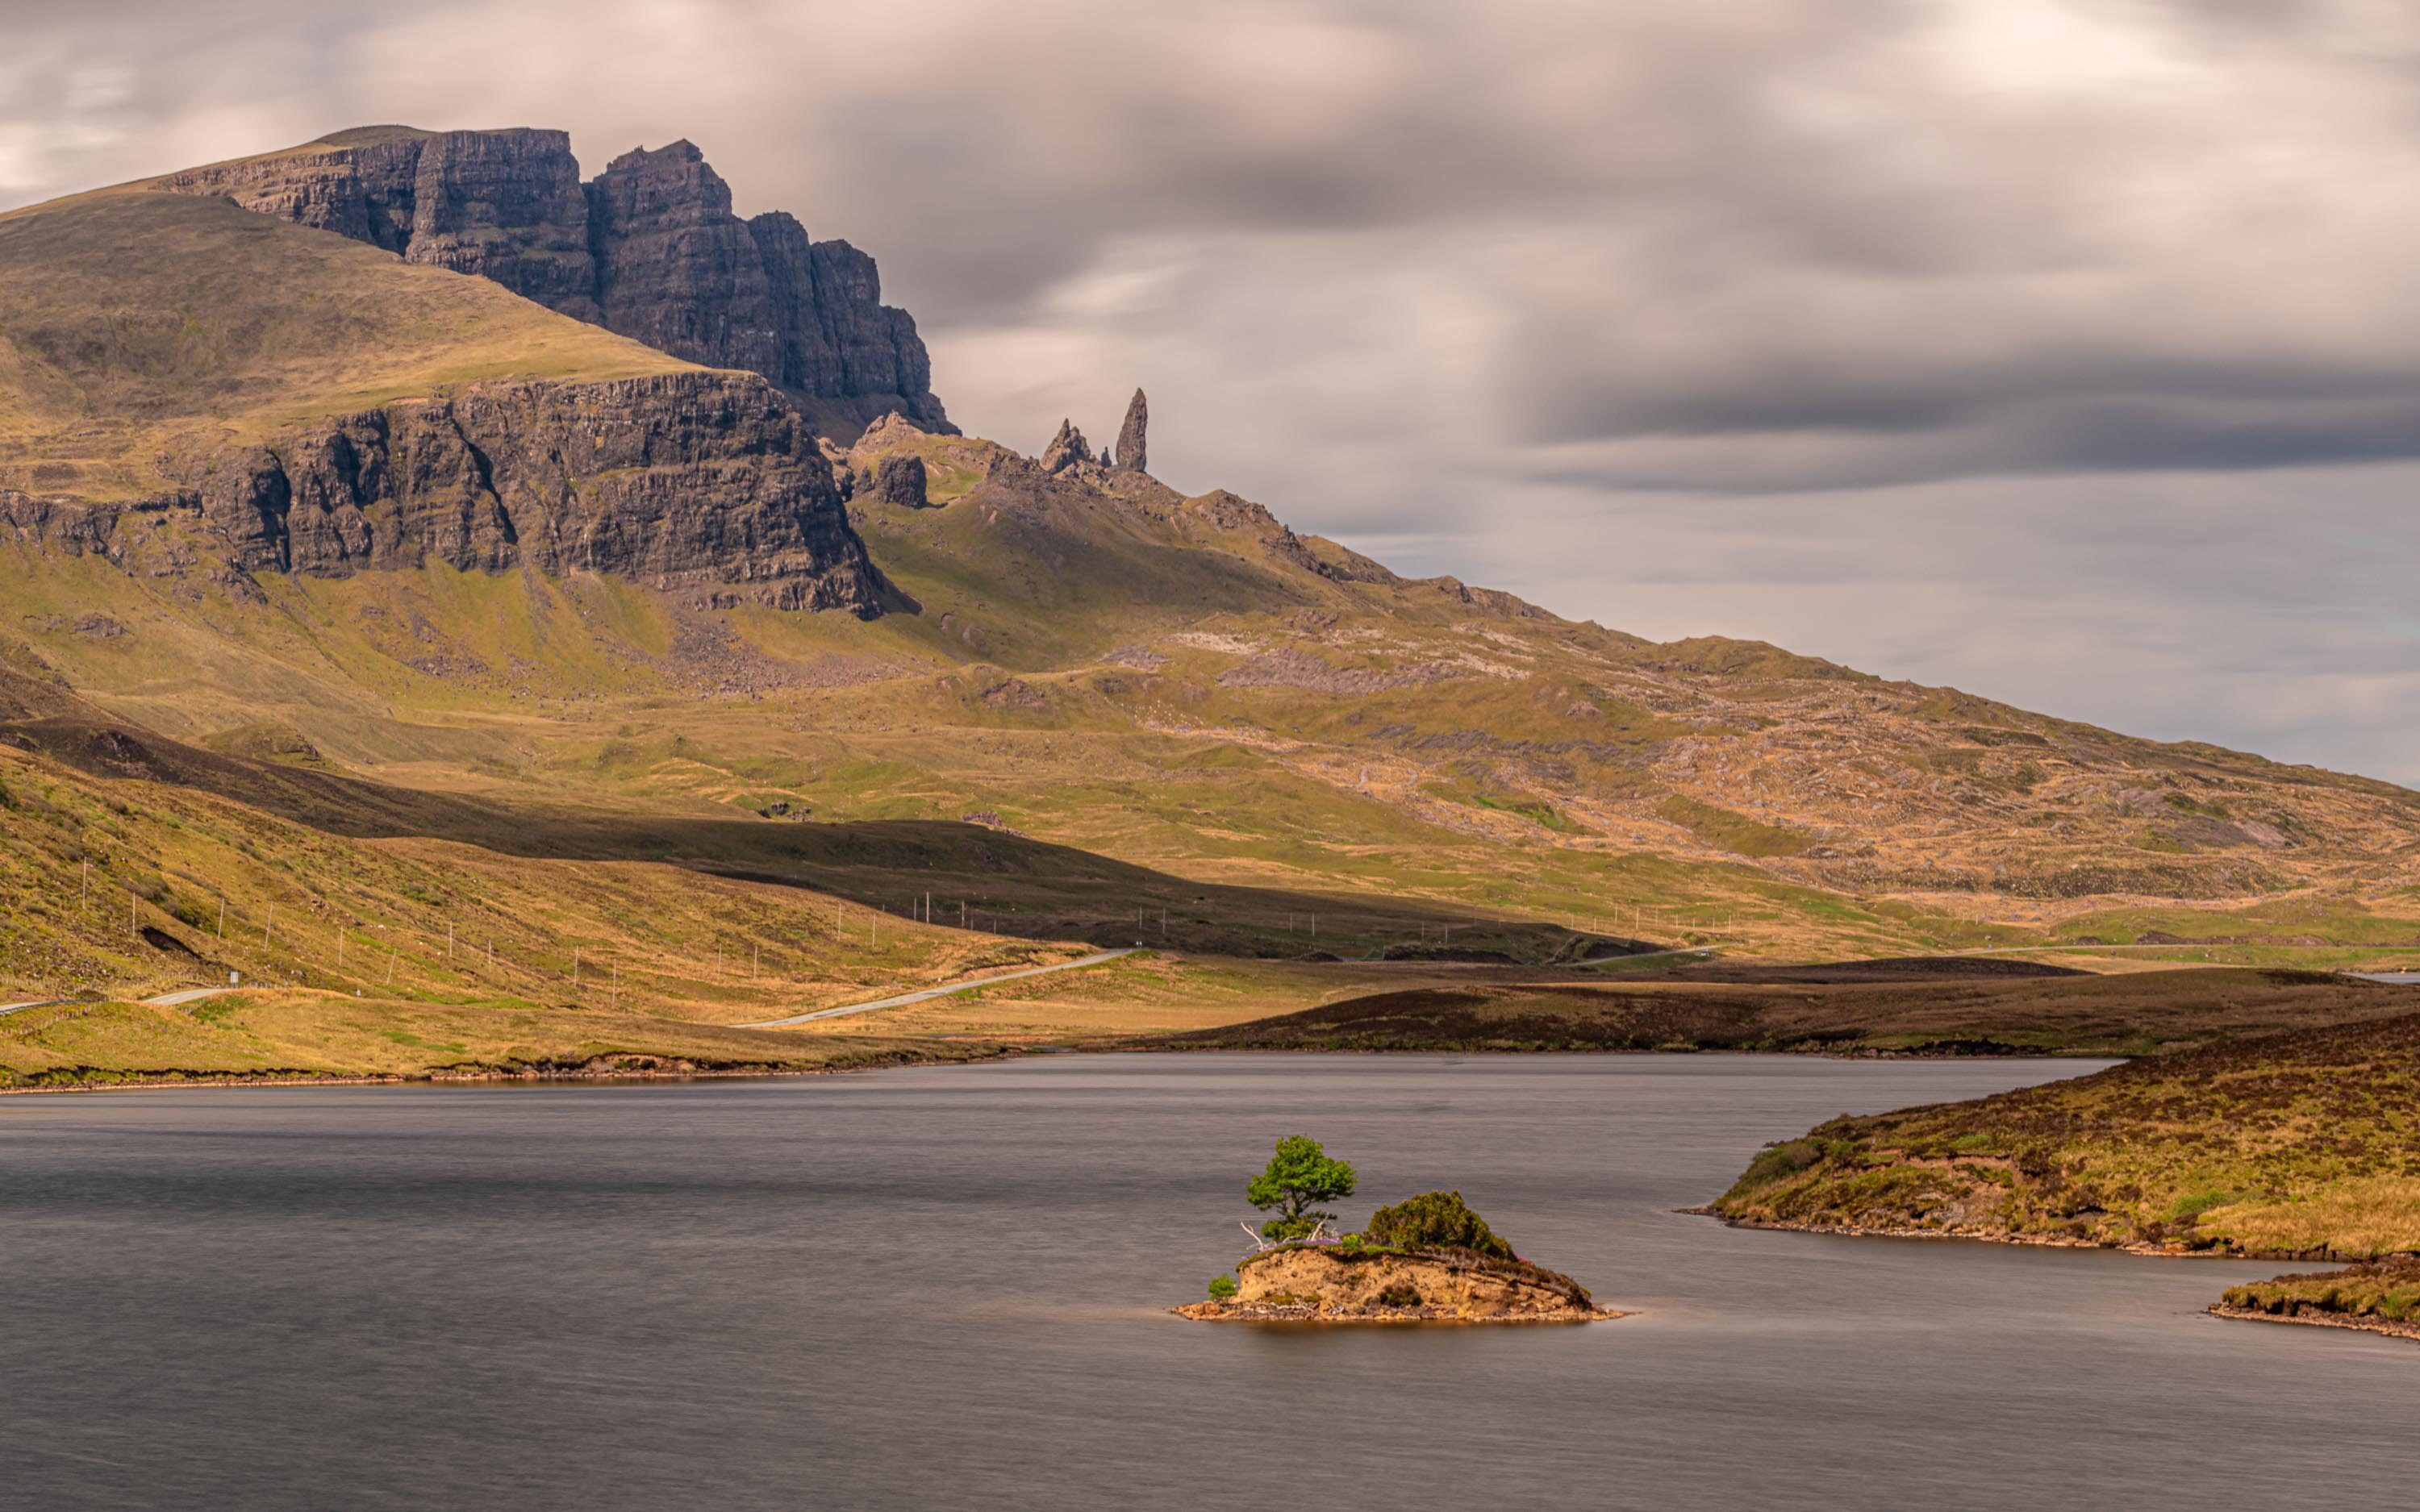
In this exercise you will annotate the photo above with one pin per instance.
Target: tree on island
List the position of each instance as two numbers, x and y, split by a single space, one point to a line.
1299 1177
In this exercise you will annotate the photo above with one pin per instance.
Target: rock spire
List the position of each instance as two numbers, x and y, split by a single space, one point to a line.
1130 453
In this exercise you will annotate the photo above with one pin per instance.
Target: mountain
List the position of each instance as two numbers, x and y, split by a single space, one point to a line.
313 528
648 249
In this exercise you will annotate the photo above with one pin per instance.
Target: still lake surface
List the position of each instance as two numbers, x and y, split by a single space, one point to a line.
940 1288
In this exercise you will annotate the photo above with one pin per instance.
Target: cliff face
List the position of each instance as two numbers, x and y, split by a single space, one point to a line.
649 248
676 269
704 484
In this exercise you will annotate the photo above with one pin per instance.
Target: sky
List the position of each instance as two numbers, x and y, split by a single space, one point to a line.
2065 351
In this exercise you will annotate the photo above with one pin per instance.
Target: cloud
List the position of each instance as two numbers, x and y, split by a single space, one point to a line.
1991 341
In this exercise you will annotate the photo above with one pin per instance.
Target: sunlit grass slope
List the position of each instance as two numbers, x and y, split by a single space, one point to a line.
136 324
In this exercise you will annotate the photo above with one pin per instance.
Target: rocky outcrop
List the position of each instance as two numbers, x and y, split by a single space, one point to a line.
1066 449
649 248
900 480
1131 453
1329 1284
359 184
705 483
837 337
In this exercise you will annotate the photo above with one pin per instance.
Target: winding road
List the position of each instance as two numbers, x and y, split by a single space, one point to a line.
931 993
191 994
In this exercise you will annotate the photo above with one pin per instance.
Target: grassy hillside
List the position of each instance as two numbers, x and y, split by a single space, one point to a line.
2303 1144
136 325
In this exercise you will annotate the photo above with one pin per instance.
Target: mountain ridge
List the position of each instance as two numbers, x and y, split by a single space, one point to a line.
649 248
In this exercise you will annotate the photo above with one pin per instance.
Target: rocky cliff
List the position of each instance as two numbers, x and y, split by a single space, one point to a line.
698 483
649 248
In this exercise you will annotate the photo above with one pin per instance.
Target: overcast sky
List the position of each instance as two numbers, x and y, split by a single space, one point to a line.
2066 352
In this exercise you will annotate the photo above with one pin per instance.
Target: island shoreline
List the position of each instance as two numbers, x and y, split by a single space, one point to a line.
2320 1319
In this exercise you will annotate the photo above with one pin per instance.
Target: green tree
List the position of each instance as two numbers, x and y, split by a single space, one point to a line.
1299 1176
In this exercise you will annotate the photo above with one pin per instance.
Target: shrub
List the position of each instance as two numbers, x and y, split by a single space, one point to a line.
1401 1294
1436 1220
1779 1160
1222 1287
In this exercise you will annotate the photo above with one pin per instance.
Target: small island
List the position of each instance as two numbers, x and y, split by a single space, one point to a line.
1428 1258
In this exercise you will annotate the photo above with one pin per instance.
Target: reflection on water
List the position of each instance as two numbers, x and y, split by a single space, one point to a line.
941 1287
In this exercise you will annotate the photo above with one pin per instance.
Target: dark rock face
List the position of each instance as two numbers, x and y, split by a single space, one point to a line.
648 249
901 481
703 482
362 190
506 206
676 269
1131 453
1066 449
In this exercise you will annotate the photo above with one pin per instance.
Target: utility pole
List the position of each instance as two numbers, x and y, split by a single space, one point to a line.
223 918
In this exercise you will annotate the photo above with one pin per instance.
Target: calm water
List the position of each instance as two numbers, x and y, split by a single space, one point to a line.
939 1288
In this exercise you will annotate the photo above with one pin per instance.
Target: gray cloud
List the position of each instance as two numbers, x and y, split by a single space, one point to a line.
2038 346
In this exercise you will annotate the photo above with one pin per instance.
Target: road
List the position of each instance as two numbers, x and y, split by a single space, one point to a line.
931 993
191 994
